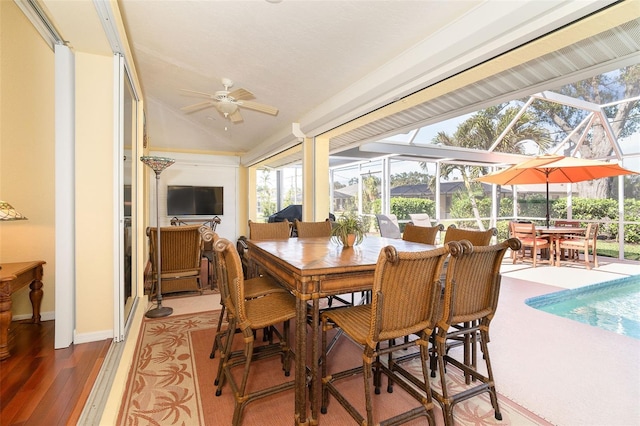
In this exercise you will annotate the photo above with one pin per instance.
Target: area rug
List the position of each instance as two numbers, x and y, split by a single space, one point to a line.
172 384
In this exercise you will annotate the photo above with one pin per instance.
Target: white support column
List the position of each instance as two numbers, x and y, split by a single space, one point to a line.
65 196
315 179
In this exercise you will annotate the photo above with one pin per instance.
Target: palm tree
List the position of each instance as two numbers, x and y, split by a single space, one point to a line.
480 131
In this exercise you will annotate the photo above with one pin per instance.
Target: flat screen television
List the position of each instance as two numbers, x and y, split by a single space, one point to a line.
185 200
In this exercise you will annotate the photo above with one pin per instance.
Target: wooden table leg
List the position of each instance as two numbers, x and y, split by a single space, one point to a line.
300 415
36 295
5 316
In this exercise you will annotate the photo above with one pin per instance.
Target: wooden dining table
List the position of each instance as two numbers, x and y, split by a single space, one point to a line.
557 232
314 268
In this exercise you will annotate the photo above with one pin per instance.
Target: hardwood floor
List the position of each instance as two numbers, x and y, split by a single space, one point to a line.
43 386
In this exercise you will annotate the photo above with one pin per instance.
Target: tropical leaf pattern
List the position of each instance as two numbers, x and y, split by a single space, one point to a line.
162 388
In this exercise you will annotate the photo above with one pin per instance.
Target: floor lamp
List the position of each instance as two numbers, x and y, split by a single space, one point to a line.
158 164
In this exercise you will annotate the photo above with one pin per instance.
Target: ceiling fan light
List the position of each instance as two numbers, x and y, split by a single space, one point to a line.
227 107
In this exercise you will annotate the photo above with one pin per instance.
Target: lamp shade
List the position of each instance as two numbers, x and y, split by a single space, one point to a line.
7 212
227 107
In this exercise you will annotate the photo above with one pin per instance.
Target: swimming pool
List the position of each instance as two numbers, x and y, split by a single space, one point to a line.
612 305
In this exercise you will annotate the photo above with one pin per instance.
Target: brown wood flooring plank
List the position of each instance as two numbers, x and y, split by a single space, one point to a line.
43 386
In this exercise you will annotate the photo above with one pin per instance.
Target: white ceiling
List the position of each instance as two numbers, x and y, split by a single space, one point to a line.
321 63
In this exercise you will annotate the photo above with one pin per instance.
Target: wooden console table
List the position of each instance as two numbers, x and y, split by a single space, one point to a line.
13 277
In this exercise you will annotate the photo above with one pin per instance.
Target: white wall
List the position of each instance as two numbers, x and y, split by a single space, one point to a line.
199 170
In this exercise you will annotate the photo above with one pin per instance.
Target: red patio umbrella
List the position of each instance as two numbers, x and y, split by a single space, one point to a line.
554 169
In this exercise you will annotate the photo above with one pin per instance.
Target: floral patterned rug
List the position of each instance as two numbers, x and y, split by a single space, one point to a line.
172 384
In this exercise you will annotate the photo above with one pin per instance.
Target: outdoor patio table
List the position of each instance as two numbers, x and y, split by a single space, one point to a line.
557 232
313 268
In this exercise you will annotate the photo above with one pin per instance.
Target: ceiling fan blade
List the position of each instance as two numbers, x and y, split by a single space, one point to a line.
239 94
206 95
198 106
268 109
236 117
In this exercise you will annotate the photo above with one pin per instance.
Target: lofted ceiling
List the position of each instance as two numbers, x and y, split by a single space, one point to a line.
327 63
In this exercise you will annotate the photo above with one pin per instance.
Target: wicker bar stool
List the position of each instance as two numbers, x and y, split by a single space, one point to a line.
248 316
470 299
399 277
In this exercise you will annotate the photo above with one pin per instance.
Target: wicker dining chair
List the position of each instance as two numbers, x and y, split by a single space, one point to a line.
248 316
470 299
421 234
312 229
253 287
579 243
181 258
399 277
269 231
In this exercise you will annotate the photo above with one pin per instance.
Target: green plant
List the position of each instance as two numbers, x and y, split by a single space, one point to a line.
346 225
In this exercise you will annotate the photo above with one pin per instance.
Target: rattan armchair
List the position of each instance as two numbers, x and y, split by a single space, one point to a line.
312 229
181 258
470 299
398 278
421 234
247 316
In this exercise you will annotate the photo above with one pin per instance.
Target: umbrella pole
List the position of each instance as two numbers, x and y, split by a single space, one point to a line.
547 201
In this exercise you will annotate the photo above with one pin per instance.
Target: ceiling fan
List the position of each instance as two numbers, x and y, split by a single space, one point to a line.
228 103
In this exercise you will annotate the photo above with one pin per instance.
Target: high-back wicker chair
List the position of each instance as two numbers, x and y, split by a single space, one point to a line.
578 244
399 277
249 315
181 257
469 303
421 234
253 287
388 224
474 236
312 229
269 231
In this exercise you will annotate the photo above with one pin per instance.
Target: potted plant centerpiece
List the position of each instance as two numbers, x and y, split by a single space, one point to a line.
348 230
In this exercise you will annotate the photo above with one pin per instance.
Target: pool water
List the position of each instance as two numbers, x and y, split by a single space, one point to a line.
612 305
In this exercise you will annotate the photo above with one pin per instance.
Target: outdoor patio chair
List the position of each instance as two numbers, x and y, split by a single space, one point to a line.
420 219
421 234
181 258
312 229
536 244
571 254
470 299
399 276
388 224
584 244
247 316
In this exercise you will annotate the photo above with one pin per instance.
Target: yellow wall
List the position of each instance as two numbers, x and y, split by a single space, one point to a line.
94 193
27 165
27 149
